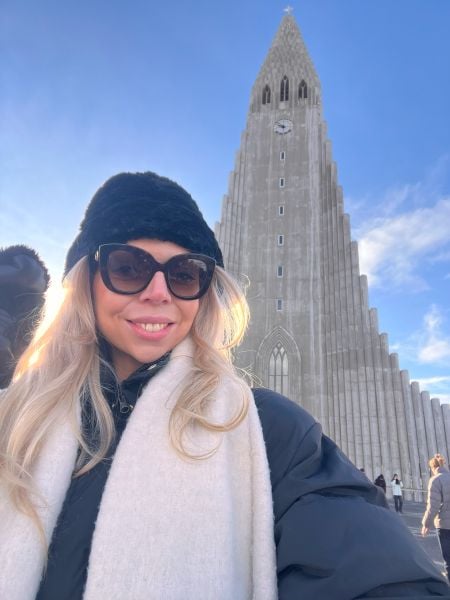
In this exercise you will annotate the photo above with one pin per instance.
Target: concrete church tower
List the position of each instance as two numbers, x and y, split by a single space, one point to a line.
312 335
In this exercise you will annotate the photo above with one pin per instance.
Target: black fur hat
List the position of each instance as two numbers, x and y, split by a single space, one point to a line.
130 206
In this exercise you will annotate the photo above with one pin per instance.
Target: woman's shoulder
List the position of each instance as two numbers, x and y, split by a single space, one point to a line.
291 434
442 477
279 415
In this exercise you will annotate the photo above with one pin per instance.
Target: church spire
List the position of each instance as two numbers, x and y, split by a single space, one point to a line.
287 58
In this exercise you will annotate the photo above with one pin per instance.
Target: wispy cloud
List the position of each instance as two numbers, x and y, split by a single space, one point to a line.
433 381
429 346
441 257
436 345
403 229
390 248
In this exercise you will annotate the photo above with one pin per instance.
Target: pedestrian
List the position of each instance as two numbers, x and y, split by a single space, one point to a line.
23 282
381 482
137 463
397 485
438 506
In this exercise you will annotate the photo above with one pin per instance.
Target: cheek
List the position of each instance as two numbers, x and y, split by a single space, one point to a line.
192 313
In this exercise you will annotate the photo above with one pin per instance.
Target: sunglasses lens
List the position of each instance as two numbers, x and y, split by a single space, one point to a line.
188 276
127 271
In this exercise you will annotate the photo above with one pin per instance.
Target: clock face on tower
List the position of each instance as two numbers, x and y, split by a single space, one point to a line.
283 126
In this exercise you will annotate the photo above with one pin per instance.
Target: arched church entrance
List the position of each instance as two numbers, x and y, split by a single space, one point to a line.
279 363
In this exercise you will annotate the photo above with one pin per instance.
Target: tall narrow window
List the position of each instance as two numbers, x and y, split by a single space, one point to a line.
279 370
281 210
302 89
281 182
282 155
266 95
281 240
279 304
284 89
280 271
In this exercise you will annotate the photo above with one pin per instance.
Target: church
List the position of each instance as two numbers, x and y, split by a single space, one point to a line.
313 336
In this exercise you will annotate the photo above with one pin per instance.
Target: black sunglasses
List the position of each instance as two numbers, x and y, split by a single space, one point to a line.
128 270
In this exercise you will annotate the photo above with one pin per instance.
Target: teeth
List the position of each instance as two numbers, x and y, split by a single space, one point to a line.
152 326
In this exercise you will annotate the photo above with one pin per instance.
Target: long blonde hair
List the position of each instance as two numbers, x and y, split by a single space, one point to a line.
61 369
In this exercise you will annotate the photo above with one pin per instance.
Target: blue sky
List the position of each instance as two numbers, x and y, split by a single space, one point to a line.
92 88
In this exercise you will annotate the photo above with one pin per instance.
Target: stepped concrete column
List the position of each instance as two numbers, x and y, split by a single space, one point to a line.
429 424
386 462
414 480
350 364
370 379
344 407
445 408
391 417
421 434
358 356
439 426
405 462
333 425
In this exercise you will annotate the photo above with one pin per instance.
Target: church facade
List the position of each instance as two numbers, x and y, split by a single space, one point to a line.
312 335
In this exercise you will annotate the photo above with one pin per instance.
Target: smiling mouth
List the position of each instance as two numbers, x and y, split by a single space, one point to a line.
152 327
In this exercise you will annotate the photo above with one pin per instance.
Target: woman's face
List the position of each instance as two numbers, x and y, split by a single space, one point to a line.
142 327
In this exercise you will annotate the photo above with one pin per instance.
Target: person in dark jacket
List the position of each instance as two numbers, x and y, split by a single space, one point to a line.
438 506
23 282
381 482
145 467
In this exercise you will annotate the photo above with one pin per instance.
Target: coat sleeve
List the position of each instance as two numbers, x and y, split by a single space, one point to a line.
434 501
335 536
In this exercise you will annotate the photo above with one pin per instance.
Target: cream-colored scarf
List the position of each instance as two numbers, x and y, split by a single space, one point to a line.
168 528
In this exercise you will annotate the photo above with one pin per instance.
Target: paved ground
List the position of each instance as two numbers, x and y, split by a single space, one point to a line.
412 515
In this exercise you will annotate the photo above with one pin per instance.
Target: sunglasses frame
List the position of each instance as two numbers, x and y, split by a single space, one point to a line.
104 250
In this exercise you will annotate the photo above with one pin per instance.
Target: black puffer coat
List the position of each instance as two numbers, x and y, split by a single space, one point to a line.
335 537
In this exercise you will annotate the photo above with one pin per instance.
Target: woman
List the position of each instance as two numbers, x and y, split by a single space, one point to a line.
396 484
438 506
137 464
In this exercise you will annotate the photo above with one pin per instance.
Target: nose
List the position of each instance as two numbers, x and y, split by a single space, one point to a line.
157 290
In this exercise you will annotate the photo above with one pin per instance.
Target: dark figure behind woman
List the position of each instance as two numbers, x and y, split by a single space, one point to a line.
380 481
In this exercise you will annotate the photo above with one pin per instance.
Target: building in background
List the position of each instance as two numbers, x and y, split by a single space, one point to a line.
312 335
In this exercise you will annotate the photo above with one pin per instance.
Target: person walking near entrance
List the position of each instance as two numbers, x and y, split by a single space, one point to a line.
397 485
438 506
